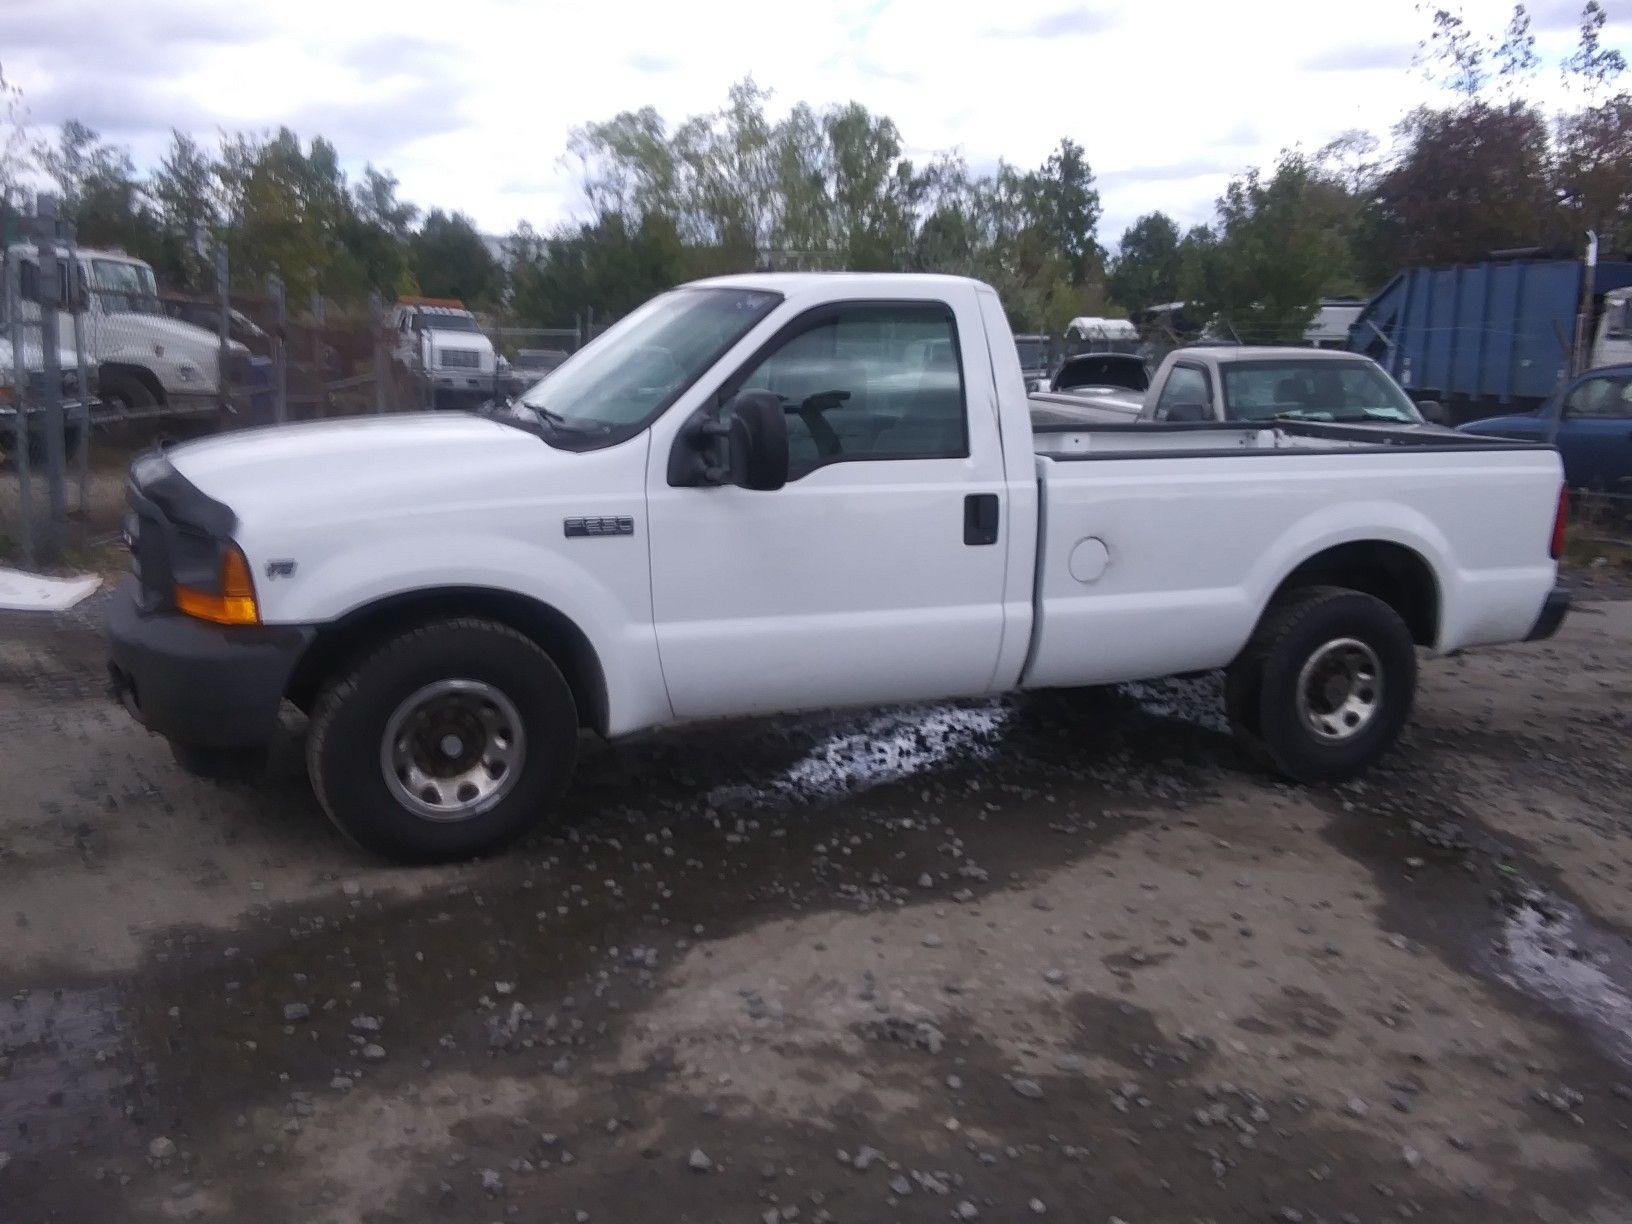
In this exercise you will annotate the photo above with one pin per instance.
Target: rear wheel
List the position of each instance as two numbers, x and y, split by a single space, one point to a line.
1325 686
448 742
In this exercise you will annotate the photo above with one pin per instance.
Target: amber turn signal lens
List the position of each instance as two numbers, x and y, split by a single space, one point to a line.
235 605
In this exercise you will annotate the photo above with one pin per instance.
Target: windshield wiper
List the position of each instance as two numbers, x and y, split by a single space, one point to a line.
564 423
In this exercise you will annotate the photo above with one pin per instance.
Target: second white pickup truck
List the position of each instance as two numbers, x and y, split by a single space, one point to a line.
1249 384
784 492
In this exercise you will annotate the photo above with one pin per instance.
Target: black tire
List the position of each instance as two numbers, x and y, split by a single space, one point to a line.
1305 628
124 393
220 764
347 737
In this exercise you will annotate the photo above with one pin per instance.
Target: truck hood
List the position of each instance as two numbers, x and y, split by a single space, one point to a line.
334 470
142 329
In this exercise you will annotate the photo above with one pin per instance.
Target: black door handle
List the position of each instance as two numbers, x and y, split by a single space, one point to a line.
980 518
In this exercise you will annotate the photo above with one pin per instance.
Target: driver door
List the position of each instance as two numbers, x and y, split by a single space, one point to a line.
862 580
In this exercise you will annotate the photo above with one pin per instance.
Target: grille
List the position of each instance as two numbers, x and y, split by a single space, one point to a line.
459 359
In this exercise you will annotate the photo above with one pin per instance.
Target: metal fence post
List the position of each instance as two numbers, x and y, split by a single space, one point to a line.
50 265
223 376
322 406
77 304
20 397
376 323
280 350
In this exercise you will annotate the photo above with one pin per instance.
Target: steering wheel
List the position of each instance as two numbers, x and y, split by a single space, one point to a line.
810 411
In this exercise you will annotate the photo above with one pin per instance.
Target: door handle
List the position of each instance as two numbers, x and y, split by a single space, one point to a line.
980 518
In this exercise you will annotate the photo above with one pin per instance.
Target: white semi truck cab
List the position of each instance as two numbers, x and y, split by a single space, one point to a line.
784 492
146 362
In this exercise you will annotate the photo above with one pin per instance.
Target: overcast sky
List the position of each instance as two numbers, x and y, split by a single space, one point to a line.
470 102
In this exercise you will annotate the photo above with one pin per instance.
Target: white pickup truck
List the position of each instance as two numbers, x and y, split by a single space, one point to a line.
783 492
1249 383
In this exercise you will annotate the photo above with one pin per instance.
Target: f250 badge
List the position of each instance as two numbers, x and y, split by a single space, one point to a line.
280 569
619 525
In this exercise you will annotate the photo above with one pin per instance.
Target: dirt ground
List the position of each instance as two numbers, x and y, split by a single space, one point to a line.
1065 956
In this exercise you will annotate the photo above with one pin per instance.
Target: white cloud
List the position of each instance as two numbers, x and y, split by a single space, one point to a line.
471 104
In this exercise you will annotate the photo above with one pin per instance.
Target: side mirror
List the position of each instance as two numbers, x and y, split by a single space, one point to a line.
757 441
1187 412
1433 412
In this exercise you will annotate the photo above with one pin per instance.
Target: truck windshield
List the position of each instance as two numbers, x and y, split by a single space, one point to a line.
448 322
615 386
124 288
1033 352
1313 391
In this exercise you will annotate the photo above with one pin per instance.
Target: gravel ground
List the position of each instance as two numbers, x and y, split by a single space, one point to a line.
1065 956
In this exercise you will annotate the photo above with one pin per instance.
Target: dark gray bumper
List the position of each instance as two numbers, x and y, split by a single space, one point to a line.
215 686
1553 611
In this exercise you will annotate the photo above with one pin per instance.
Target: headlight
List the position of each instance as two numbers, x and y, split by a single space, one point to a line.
234 604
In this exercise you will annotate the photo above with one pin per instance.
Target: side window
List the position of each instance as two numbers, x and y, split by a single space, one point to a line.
1185 385
868 382
1600 398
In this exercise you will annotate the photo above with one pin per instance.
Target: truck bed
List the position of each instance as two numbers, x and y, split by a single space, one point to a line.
1161 556
1089 438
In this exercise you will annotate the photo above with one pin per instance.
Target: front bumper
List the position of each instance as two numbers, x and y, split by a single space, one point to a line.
1553 611
214 686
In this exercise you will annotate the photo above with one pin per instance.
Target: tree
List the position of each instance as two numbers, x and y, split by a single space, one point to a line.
183 193
1454 56
1064 205
1279 242
450 260
1593 67
605 264
1146 268
1467 181
14 150
1593 176
98 190
376 204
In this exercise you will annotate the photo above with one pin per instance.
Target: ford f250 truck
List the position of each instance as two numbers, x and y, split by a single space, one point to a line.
784 492
1252 383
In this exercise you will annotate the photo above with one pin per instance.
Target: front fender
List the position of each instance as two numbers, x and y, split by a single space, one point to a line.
605 593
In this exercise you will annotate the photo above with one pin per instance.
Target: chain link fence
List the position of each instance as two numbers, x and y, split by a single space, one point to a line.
98 362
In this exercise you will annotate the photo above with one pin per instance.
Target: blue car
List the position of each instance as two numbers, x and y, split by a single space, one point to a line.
1594 431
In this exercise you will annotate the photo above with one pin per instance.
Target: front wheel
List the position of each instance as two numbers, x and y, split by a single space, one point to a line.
1325 686
448 742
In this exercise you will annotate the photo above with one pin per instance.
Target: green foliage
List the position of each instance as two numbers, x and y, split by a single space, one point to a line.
1279 243
450 259
1147 267
1468 180
96 185
604 264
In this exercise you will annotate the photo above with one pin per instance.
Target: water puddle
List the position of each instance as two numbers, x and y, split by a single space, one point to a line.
883 748
1551 951
60 1054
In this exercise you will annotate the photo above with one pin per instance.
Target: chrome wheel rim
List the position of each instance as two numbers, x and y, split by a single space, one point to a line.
1340 690
453 750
